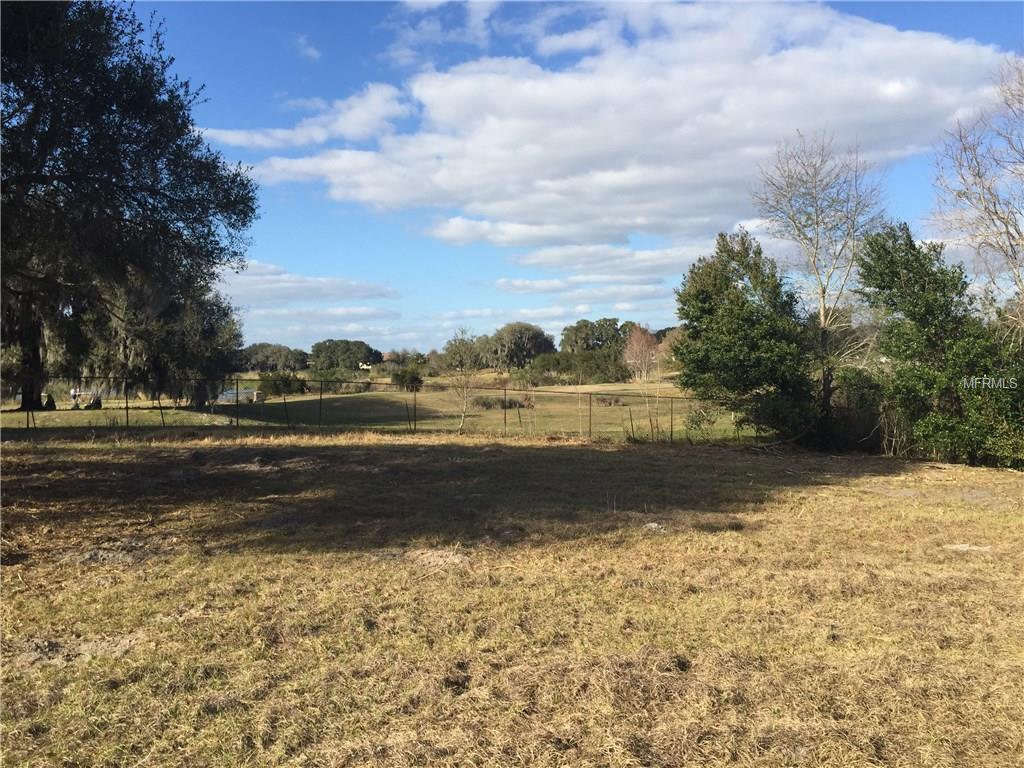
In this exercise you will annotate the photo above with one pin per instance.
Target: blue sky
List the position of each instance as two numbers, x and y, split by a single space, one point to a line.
424 167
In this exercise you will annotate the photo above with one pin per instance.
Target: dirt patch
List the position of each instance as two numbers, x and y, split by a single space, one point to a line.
64 651
967 547
131 550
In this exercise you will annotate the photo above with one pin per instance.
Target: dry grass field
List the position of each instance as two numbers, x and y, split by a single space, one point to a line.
363 600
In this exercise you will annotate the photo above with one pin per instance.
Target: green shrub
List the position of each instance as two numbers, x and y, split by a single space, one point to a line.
408 378
937 345
282 383
487 402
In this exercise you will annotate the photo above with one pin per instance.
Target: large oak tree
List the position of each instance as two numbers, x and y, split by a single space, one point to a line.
114 207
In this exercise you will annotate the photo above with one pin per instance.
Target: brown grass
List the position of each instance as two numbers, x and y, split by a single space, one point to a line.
363 600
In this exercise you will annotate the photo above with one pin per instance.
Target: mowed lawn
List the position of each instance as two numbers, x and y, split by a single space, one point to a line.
363 600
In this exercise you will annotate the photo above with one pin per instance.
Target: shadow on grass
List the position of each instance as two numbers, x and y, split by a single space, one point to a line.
316 496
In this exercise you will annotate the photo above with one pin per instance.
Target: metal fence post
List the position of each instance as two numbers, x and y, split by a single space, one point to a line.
287 417
238 422
161 407
414 425
504 413
320 408
671 420
126 402
590 416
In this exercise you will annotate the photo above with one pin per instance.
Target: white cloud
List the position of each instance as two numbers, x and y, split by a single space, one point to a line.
362 116
261 284
554 312
658 130
313 104
305 48
416 38
319 313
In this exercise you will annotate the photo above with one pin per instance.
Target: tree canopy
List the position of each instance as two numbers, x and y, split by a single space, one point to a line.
514 345
266 357
743 343
936 347
116 213
338 356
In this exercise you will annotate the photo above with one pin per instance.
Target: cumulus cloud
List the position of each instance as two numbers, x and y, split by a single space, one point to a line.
263 284
361 116
658 127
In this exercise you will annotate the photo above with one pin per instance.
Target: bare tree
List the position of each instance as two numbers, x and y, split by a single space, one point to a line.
641 354
825 201
462 360
980 185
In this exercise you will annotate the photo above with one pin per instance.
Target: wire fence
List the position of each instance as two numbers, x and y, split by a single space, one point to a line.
243 403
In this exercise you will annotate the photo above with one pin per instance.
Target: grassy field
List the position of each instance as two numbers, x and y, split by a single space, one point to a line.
607 411
367 600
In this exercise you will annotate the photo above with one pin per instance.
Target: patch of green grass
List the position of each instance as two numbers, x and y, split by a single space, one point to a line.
615 412
385 600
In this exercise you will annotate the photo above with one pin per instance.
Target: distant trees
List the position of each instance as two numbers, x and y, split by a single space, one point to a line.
514 345
117 216
596 366
743 342
589 335
264 357
824 201
339 357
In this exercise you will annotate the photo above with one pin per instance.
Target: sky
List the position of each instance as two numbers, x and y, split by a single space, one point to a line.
431 166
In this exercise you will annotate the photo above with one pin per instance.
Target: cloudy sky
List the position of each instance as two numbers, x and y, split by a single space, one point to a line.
426 166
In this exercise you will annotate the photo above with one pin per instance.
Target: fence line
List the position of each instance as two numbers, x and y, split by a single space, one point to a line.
276 402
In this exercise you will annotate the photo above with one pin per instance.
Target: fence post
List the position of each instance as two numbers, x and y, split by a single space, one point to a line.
161 407
671 420
238 422
504 413
126 402
320 409
590 416
414 412
286 416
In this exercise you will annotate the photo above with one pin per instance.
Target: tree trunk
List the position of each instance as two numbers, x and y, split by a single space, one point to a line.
827 373
30 338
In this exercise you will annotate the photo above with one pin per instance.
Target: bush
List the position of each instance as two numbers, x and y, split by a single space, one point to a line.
939 350
408 378
487 402
282 383
700 420
608 400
